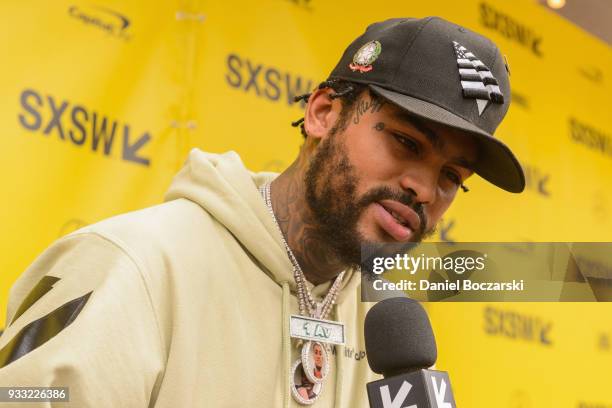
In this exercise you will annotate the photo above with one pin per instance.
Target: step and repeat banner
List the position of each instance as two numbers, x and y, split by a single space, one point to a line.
100 102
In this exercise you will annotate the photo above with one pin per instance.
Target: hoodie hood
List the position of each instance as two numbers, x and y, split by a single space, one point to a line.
222 186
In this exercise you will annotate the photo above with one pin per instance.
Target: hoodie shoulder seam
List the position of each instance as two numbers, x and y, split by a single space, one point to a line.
116 242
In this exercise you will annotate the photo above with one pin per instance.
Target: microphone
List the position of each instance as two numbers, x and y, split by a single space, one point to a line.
400 345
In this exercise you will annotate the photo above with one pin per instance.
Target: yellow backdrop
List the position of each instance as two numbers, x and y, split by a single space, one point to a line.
101 101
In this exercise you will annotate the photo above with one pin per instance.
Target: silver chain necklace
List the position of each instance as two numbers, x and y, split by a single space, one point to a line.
307 305
307 376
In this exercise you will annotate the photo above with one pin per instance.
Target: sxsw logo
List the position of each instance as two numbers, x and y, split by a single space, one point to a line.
593 138
268 82
418 389
514 325
510 28
81 126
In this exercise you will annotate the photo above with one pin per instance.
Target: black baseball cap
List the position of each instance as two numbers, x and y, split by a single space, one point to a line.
442 72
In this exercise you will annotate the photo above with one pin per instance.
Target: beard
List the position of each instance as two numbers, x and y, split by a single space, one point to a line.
331 183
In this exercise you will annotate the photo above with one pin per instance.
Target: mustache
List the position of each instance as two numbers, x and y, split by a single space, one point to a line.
404 197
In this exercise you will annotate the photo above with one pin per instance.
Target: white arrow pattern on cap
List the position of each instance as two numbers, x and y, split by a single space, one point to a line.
477 80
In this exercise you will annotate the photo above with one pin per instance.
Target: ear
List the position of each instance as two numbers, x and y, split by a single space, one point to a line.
321 114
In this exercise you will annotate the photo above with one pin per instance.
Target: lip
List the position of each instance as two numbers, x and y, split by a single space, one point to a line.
407 213
393 228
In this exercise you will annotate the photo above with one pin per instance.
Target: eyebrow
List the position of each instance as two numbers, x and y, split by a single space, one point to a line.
435 140
407 118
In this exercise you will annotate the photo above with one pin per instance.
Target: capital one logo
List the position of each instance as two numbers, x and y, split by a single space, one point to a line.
402 394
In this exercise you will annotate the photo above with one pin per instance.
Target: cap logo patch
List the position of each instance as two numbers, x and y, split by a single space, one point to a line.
365 56
477 80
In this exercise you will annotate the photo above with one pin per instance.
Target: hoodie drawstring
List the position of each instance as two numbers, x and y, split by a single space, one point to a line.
286 360
339 367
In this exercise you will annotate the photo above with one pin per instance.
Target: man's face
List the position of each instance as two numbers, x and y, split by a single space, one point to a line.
385 177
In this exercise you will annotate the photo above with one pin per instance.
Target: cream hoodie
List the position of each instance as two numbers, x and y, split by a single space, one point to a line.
184 304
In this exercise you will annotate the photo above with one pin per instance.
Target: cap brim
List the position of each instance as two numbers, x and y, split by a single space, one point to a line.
496 163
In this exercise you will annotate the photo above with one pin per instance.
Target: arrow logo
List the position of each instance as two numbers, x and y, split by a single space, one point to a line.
477 81
130 151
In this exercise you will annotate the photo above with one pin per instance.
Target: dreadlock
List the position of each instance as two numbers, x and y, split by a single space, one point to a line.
347 91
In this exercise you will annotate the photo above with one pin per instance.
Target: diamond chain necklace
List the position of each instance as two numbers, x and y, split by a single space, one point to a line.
305 374
307 305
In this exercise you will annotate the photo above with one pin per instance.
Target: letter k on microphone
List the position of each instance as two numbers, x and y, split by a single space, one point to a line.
400 397
440 393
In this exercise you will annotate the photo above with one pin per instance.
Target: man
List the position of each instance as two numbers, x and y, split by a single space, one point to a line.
188 303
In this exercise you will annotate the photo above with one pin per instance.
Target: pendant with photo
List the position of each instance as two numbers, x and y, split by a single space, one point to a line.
315 361
303 390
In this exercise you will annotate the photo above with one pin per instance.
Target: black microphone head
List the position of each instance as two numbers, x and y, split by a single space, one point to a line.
398 337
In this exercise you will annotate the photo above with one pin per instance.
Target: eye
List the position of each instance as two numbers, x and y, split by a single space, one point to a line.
407 142
453 177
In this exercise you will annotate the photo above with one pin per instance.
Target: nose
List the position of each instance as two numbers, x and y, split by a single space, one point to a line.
423 183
